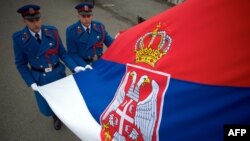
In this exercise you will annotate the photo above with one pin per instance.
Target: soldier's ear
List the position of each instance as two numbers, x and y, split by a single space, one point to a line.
79 16
24 21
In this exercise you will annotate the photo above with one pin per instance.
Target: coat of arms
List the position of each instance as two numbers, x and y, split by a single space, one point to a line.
135 112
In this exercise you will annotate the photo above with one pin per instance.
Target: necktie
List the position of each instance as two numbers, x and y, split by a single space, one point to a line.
38 38
87 30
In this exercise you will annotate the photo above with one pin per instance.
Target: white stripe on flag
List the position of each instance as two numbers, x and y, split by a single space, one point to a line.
66 101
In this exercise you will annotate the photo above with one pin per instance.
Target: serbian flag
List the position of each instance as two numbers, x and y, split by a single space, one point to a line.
182 75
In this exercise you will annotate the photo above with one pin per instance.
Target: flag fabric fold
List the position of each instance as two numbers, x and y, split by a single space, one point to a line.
68 104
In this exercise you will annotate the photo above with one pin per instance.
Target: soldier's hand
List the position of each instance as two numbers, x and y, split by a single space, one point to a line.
79 68
34 87
88 67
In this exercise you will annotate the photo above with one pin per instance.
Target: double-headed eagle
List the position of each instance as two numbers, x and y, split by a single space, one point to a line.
146 110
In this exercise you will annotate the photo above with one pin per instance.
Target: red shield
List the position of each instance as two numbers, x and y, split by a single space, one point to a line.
135 112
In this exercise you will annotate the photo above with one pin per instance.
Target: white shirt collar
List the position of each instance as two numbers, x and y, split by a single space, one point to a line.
33 33
86 27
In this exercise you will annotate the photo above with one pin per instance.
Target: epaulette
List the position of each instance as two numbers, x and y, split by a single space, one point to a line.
97 22
47 30
22 34
73 26
97 26
49 27
16 34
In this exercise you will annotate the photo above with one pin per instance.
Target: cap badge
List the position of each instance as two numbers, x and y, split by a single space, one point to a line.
31 10
86 8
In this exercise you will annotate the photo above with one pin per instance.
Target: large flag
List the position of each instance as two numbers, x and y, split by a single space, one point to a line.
181 75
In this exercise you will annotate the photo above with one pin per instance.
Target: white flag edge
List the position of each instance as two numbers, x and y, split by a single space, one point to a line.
66 101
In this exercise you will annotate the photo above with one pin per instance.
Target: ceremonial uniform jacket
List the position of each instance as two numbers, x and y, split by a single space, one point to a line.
82 45
28 51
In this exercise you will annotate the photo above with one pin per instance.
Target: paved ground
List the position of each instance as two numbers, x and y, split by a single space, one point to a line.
19 116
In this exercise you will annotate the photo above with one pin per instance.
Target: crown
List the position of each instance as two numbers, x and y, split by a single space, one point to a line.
151 47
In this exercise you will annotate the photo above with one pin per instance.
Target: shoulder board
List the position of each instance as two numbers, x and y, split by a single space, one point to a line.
98 26
49 27
16 34
73 26
22 34
97 22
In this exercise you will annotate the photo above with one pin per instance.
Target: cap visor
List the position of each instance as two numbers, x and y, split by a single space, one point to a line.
85 13
29 17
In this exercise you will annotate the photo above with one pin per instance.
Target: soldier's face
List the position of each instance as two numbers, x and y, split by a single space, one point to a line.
85 19
34 24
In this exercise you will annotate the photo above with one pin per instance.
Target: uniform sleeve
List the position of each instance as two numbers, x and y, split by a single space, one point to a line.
72 49
108 39
68 61
21 62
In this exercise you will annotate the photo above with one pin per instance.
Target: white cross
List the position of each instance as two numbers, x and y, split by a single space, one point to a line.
124 116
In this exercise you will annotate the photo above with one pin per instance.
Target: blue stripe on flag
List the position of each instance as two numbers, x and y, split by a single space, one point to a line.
198 112
99 85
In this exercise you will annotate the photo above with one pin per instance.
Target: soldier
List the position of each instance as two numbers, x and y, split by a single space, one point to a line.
85 38
37 50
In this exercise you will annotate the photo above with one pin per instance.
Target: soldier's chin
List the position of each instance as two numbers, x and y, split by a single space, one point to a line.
87 24
37 29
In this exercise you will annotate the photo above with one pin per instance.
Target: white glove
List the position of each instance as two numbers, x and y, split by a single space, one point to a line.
88 67
117 35
34 86
79 68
